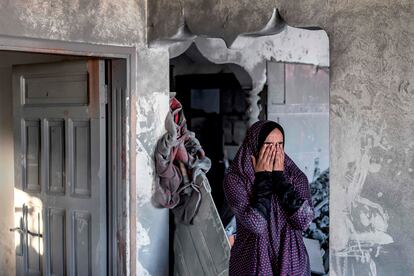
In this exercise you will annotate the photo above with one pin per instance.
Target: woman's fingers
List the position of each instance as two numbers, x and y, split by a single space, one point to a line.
270 158
282 154
276 161
267 153
265 160
273 158
271 155
262 151
259 164
279 160
276 158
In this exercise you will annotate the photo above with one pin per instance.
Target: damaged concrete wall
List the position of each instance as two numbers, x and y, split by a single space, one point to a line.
152 105
123 23
372 56
371 124
120 22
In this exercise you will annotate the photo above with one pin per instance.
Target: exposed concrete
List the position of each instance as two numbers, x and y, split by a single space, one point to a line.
276 41
104 22
371 125
152 105
193 62
372 56
120 22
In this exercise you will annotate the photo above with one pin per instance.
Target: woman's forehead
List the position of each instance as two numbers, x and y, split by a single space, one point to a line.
275 134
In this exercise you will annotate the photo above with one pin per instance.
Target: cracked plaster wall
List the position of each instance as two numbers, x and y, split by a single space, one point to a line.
371 114
120 22
152 105
123 23
372 56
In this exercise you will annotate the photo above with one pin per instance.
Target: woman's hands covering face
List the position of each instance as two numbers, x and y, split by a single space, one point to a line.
265 159
271 157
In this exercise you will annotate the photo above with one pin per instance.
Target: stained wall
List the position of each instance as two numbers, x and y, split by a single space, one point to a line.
371 114
119 23
371 118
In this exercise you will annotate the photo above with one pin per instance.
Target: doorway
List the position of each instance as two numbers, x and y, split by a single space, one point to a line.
63 115
214 106
293 93
214 100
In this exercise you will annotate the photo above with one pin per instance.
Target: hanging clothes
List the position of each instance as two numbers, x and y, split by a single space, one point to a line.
181 165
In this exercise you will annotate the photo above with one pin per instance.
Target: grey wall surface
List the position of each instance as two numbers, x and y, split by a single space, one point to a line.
151 105
371 124
122 23
371 117
119 22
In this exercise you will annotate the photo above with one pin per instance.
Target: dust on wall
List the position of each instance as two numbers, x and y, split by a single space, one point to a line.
121 22
103 22
372 56
371 125
152 105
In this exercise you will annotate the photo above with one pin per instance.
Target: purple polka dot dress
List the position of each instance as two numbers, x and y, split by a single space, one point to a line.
271 245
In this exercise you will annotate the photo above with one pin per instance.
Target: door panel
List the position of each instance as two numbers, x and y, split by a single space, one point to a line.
34 243
55 148
55 221
60 168
81 232
80 165
31 149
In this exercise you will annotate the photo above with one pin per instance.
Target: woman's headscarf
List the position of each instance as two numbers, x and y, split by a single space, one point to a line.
268 127
286 242
242 166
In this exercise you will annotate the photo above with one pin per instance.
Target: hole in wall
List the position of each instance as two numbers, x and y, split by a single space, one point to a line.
214 99
288 82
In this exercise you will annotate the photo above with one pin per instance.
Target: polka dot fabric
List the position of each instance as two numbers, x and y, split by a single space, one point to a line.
266 247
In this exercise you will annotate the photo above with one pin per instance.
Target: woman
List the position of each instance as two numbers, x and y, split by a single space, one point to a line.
270 198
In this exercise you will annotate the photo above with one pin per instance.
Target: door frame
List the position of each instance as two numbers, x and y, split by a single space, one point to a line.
122 226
